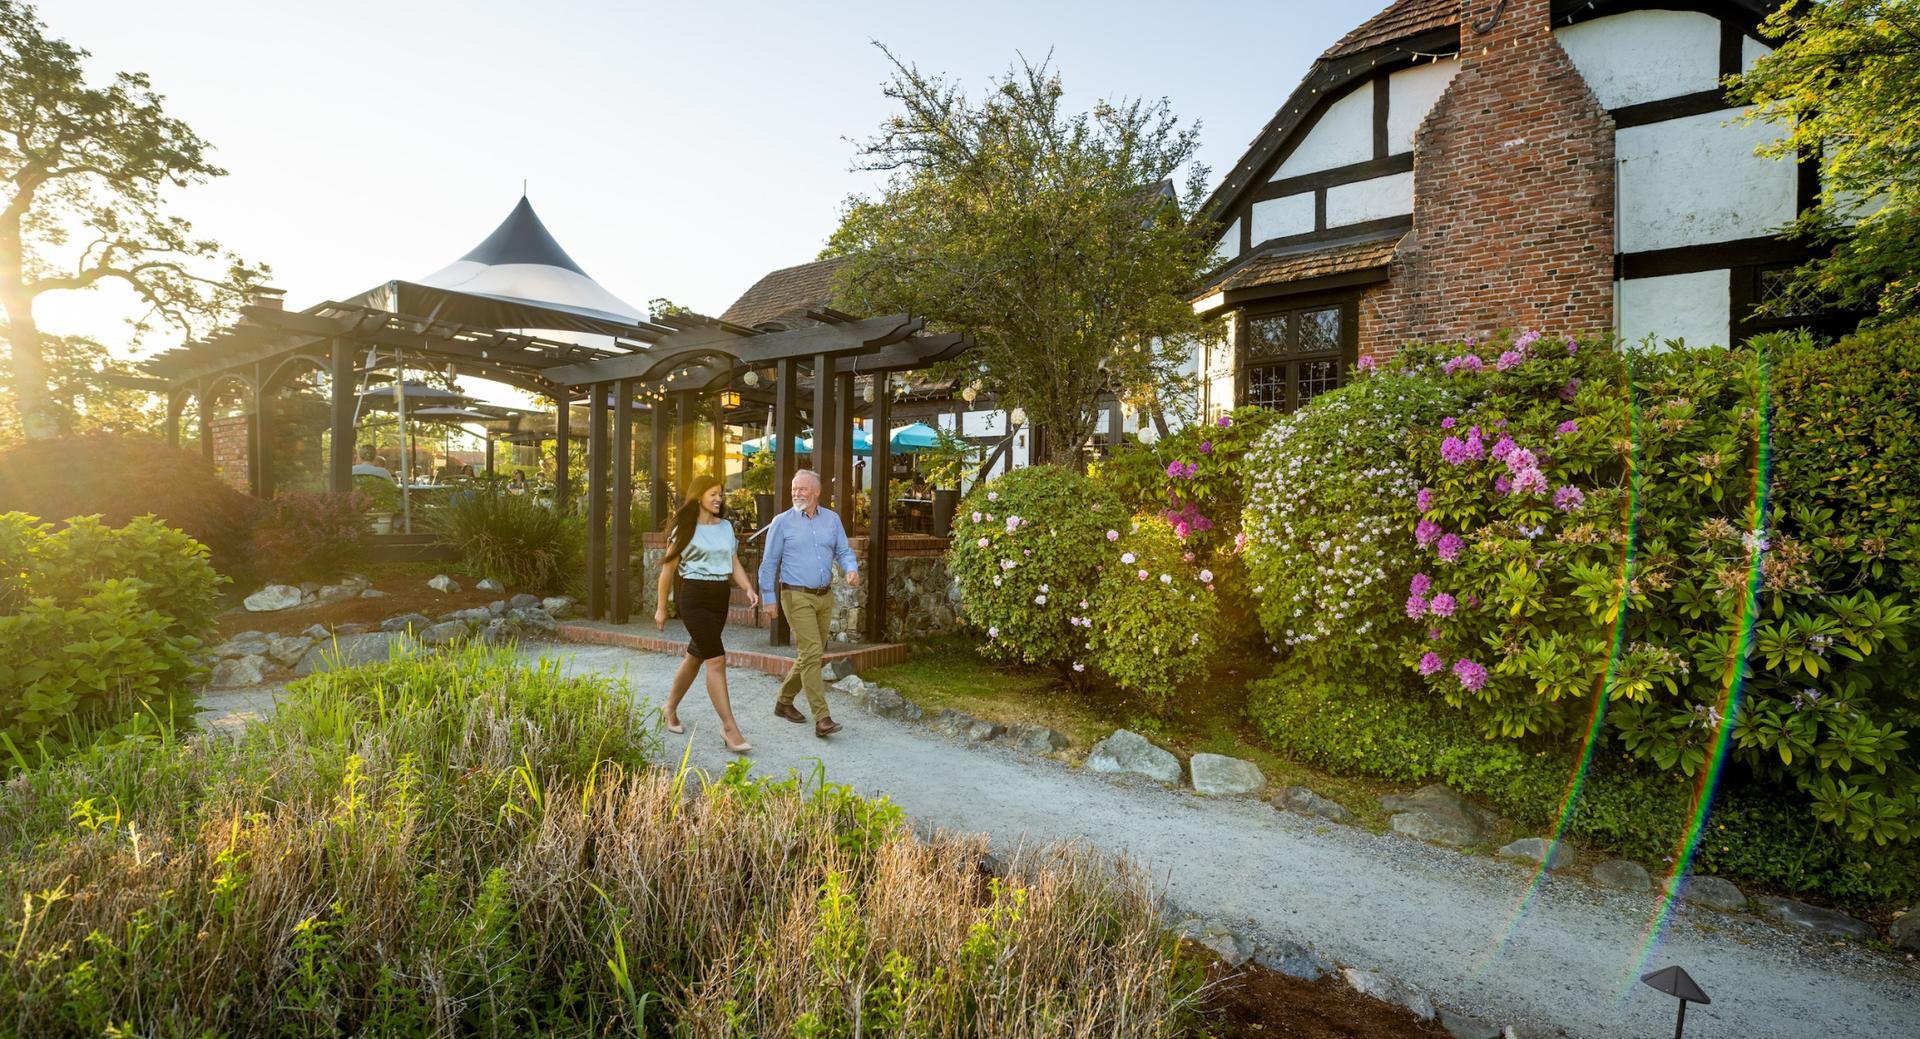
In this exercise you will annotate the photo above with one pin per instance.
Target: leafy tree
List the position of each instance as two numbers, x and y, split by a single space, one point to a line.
1843 78
84 169
87 385
1056 239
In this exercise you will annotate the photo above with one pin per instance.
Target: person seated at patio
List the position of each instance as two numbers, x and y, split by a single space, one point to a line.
370 466
466 472
518 485
919 489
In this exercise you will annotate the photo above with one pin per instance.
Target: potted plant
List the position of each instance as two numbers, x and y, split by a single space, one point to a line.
946 464
383 500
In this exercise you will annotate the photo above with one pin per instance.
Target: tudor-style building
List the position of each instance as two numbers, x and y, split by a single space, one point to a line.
1454 167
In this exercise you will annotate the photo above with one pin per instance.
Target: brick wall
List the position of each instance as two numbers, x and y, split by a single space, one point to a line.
232 438
1512 199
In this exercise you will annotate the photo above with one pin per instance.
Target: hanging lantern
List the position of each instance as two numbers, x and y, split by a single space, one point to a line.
1018 417
751 379
730 399
867 394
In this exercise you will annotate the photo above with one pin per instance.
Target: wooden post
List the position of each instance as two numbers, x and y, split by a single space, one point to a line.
597 500
206 414
881 465
174 405
683 413
562 449
719 438
260 472
786 461
824 426
843 442
489 456
657 466
340 376
622 499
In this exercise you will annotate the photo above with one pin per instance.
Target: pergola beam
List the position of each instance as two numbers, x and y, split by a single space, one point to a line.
748 350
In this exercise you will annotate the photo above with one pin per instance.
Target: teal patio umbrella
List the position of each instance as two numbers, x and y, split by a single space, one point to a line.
916 437
749 448
862 443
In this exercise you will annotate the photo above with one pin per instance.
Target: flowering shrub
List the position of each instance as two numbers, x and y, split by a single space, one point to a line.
1152 620
1027 548
1603 523
1332 495
311 535
1195 479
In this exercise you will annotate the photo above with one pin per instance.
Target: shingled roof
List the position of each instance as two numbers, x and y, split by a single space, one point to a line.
1301 263
1401 19
785 295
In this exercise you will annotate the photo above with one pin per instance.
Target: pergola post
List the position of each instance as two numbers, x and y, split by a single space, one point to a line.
489 456
562 449
259 465
843 443
206 415
786 461
340 377
174 405
657 465
622 498
720 437
881 464
597 500
683 416
824 426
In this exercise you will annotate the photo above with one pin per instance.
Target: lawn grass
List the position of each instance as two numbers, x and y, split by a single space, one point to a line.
1209 717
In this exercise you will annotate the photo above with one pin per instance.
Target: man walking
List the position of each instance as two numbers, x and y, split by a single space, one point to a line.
803 543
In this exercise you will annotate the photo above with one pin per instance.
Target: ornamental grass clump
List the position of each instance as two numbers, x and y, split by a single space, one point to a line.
463 845
514 539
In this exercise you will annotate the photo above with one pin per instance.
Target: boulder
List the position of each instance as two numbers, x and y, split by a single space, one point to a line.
1828 923
523 601
1128 751
1219 776
1232 947
372 593
1904 933
1389 990
1462 1026
478 615
406 622
316 631
488 584
952 723
1036 739
272 598
356 628
1303 800
353 651
531 621
286 650
1717 892
336 592
557 606
834 671
497 608
446 633
497 632
1551 854
239 671
981 732
1292 959
1622 875
880 700
245 644
443 583
1435 813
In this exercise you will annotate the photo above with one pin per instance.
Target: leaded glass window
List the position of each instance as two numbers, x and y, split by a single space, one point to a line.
1294 356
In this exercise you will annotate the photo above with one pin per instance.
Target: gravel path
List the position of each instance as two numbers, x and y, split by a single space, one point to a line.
1428 915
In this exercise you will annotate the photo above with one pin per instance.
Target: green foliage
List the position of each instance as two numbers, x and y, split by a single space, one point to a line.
1043 233
311 535
1331 496
119 478
97 628
1838 83
950 459
1154 621
1195 479
758 472
78 388
379 493
514 539
1029 560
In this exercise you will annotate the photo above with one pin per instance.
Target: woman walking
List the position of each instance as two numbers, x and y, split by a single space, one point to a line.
703 555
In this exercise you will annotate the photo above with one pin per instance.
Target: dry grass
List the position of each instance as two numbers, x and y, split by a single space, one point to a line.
454 847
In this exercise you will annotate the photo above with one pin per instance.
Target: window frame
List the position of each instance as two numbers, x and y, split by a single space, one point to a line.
1345 355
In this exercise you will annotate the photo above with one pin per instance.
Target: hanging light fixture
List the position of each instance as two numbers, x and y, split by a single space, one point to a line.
867 394
730 399
1018 416
751 379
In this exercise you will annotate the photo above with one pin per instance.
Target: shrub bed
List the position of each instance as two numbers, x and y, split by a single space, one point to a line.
312 535
463 846
515 540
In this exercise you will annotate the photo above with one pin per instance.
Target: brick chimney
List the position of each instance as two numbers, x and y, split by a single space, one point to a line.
267 296
1512 197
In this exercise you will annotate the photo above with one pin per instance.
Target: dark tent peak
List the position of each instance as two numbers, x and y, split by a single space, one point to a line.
522 238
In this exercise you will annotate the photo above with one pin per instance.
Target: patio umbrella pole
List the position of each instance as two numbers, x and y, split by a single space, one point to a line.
406 455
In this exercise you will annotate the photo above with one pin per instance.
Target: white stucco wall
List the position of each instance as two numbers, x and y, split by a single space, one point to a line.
1343 135
1691 307
1639 56
1411 93
1279 217
1752 50
1229 244
1370 199
1695 180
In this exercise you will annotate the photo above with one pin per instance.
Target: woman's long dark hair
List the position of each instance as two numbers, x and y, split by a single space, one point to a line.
687 515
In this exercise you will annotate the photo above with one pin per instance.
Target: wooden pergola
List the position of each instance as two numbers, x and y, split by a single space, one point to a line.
661 367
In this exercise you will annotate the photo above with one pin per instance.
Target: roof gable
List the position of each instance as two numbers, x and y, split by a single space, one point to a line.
786 295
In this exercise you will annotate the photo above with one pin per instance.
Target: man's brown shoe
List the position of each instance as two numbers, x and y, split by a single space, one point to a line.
789 712
825 727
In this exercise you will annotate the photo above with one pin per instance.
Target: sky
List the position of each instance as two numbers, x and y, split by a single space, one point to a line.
676 151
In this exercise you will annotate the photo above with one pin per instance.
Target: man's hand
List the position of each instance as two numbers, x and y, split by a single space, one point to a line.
853 579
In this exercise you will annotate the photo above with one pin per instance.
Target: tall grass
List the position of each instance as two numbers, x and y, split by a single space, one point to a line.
461 846
514 539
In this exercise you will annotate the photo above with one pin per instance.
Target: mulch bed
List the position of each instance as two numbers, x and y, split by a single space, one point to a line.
1251 1001
406 593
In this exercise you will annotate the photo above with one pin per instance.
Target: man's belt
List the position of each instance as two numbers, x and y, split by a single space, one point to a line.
785 587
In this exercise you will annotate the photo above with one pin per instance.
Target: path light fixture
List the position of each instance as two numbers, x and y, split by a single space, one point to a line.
1676 982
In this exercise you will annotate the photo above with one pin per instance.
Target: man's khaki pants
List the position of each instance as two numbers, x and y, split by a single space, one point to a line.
809 616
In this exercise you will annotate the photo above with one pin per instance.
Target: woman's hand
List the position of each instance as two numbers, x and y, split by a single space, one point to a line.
753 600
660 617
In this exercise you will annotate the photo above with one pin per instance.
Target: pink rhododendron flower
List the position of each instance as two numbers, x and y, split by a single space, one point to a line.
1442 605
1449 548
1366 363
1240 542
1416 607
1572 347
1519 459
1530 481
1503 484
993 495
1464 363
1569 499
1449 422
1502 447
1206 447
982 542
976 517
1113 535
1181 530
1426 532
1526 340
1567 428
1420 585
1433 634
1471 675
1572 387
1432 663
1206 576
1224 421
1508 360
1424 500
1144 575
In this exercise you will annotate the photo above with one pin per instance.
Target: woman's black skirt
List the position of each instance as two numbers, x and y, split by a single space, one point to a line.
703 609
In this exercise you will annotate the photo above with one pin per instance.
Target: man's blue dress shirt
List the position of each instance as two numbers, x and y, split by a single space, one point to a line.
802 549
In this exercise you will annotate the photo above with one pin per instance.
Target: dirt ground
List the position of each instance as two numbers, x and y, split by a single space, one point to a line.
1252 1002
407 592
